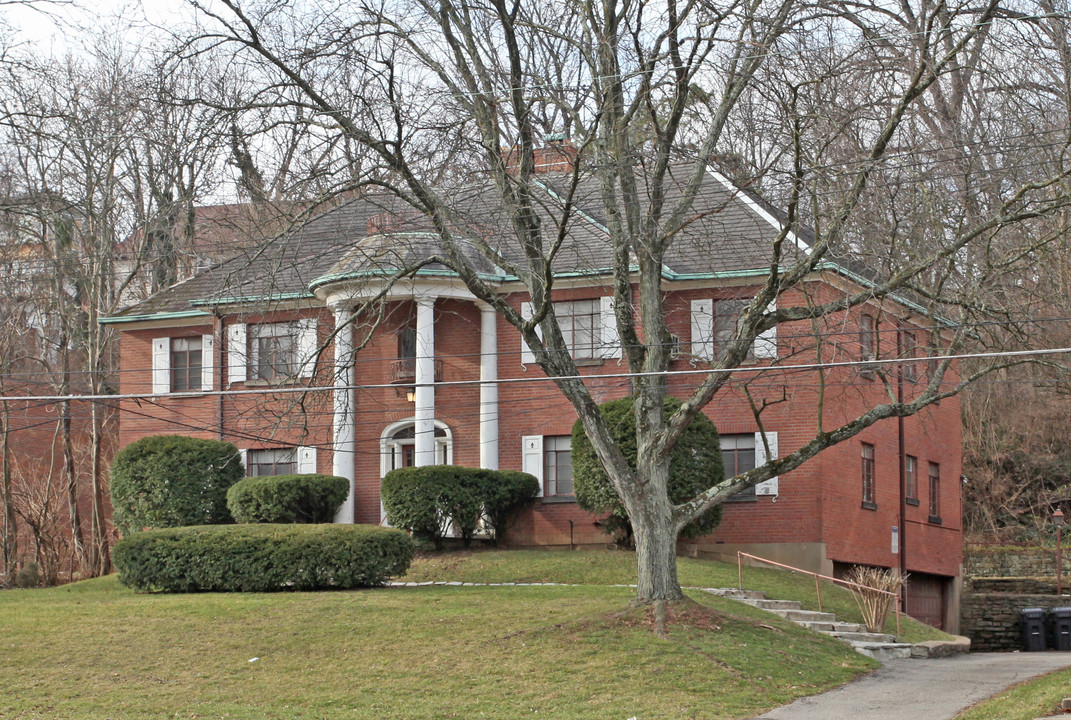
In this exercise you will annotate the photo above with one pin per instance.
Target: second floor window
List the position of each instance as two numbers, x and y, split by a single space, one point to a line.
186 361
868 338
272 351
738 456
581 327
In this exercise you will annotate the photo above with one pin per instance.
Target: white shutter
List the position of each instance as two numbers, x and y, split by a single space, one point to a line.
765 345
237 349
769 487
306 460
308 344
208 361
527 356
161 365
243 455
532 458
703 329
611 341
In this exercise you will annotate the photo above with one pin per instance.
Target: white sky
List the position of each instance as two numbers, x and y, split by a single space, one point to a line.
62 26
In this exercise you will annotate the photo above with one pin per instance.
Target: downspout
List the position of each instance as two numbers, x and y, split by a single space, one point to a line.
217 360
902 535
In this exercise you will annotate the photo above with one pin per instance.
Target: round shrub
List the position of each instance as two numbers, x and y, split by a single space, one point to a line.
694 466
287 498
261 558
506 493
171 481
427 499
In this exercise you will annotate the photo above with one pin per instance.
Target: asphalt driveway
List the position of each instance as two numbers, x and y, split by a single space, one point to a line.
931 689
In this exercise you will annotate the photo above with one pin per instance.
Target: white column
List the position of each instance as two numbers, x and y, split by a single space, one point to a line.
342 463
425 383
488 388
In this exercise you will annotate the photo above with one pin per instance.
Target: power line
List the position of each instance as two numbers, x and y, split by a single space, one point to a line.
747 369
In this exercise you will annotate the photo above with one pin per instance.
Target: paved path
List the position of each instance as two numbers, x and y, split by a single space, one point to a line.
923 689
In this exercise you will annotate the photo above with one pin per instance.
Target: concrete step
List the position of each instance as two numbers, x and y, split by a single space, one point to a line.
883 651
806 616
833 627
734 594
866 637
772 604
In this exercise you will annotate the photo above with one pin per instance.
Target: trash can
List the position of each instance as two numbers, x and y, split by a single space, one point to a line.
1061 628
1033 620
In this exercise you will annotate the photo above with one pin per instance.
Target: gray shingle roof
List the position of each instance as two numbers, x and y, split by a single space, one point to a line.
728 231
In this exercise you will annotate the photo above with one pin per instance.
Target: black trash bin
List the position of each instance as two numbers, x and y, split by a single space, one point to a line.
1061 628
1033 620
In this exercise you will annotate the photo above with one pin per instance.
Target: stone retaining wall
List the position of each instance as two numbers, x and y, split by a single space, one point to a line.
1004 561
993 621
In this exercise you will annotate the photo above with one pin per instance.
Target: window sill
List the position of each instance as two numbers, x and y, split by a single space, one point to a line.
934 520
741 499
912 501
184 394
558 499
273 383
588 362
869 506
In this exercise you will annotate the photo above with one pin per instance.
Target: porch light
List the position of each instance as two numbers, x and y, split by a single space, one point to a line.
410 395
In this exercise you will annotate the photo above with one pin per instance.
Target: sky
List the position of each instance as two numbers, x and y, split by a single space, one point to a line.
56 26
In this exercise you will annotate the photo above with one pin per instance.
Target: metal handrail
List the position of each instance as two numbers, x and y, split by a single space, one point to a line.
817 586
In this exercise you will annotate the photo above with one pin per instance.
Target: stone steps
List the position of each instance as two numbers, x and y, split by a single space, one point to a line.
880 646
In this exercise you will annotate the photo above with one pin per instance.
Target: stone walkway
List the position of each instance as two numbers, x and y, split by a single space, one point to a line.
936 689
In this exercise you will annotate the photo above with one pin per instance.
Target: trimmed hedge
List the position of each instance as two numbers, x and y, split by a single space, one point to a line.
261 558
426 500
694 466
173 481
287 498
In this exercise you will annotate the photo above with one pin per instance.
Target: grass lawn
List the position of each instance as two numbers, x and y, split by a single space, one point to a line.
619 567
95 649
1035 698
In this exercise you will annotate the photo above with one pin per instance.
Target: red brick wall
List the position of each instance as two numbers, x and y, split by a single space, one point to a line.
820 502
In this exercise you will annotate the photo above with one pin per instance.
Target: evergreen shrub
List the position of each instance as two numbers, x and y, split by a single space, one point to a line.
172 481
261 558
287 498
694 466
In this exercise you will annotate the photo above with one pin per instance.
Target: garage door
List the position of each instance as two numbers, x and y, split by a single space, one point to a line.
926 598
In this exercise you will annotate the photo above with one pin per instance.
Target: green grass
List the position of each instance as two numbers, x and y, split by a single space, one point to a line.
1035 698
97 650
597 567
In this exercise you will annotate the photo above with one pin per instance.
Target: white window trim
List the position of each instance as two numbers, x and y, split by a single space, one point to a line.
764 346
532 458
237 353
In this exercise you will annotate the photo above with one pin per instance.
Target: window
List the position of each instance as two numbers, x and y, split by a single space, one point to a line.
182 364
911 465
557 466
581 326
186 360
935 493
910 344
281 461
728 314
738 456
272 351
868 477
868 338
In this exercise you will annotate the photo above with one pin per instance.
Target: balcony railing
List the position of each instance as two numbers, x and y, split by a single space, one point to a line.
404 371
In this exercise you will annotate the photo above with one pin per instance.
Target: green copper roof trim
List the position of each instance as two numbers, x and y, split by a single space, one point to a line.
303 295
155 316
377 272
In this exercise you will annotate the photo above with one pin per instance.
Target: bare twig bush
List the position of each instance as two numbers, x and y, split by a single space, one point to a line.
871 590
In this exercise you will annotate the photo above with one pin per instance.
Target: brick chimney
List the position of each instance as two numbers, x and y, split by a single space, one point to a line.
556 155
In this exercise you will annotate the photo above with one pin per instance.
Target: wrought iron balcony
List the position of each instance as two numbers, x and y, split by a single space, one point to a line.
403 372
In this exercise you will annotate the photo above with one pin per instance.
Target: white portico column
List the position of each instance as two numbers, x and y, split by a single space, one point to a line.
342 463
425 383
488 388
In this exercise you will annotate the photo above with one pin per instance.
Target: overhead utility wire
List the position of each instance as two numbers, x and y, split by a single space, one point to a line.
515 381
